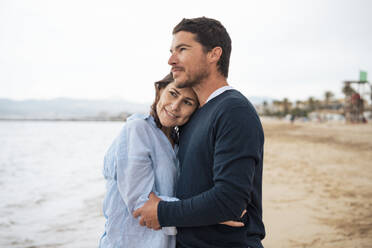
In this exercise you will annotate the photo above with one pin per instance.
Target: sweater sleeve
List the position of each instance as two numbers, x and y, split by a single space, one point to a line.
238 148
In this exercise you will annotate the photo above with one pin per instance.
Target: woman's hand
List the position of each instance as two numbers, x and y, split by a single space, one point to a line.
234 223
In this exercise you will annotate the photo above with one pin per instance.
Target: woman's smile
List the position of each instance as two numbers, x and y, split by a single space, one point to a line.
170 114
175 105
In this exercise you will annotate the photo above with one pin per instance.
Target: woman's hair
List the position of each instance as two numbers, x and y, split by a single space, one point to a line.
158 86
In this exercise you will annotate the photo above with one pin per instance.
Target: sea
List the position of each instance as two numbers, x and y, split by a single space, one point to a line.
51 182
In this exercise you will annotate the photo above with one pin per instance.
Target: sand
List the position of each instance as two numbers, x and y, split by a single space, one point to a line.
317 189
317 186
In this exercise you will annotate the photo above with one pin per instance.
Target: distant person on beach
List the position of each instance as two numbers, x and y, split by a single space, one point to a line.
142 159
220 149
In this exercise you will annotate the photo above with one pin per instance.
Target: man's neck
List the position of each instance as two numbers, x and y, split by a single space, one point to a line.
209 85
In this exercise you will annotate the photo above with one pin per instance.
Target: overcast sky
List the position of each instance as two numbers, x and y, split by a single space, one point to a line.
104 49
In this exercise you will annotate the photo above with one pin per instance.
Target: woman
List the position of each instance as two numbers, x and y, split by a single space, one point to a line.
141 160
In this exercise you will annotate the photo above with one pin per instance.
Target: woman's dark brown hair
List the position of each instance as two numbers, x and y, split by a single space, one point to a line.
158 86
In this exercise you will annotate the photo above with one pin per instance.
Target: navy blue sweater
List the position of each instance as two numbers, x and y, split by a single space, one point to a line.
220 154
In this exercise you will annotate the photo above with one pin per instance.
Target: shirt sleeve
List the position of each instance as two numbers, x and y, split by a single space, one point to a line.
170 230
238 150
135 175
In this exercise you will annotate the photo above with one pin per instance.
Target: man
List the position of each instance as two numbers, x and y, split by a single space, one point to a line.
220 149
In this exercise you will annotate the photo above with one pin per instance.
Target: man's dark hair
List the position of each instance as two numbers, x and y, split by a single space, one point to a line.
210 34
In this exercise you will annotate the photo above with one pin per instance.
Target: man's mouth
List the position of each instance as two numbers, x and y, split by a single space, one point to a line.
177 69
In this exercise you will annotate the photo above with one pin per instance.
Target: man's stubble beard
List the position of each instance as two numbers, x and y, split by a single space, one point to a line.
193 81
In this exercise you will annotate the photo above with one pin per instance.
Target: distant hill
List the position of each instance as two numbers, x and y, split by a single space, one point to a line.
67 108
64 108
258 100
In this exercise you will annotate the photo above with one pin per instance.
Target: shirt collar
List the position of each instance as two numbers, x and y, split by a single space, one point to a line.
137 116
219 91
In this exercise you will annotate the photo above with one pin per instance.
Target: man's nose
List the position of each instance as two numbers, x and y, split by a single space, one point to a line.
172 59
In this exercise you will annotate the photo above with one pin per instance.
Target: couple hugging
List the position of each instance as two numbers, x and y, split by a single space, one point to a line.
188 174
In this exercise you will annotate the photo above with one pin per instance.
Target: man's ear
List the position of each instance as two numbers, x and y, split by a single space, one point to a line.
215 54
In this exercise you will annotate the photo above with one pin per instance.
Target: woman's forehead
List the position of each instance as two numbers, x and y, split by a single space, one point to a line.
186 92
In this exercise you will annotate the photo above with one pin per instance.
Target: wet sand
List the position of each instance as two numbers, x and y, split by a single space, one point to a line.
317 188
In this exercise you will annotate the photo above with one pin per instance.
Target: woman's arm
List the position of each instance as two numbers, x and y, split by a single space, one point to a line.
135 175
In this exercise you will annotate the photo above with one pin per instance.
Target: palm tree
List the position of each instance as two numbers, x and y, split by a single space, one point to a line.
327 97
348 90
286 105
277 103
311 103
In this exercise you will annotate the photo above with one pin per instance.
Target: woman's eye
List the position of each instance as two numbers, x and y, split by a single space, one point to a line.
173 93
188 103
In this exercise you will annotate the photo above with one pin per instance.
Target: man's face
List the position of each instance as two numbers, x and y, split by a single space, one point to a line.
188 60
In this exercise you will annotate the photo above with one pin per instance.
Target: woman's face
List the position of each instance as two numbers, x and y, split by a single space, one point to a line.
175 105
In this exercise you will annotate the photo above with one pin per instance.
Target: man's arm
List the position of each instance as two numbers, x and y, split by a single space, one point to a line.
238 149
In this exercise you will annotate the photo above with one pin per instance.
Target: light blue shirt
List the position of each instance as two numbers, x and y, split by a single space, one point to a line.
140 160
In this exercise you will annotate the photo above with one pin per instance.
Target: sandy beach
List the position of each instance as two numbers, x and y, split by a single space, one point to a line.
317 188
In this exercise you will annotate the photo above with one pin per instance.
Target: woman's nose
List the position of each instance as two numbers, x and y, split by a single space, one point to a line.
176 105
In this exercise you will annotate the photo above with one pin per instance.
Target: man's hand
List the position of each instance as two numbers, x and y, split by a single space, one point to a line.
149 213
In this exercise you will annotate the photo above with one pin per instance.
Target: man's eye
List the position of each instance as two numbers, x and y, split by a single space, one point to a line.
182 48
